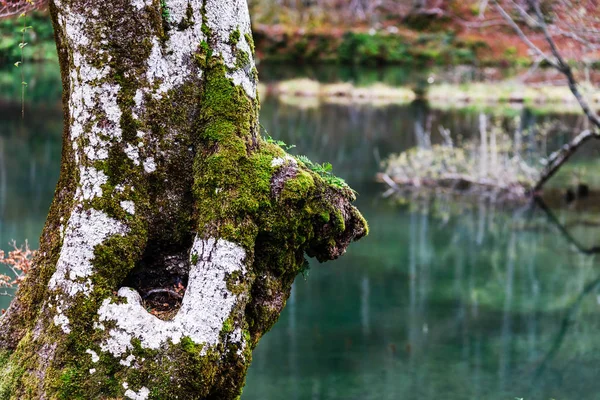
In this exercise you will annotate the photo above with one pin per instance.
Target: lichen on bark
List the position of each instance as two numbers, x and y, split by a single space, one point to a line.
165 184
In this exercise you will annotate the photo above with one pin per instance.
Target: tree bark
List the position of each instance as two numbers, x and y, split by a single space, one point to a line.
166 187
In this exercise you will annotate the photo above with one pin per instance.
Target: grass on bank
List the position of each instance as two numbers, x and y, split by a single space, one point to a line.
453 94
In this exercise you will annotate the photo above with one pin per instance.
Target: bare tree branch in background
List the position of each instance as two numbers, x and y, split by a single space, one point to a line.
571 23
9 8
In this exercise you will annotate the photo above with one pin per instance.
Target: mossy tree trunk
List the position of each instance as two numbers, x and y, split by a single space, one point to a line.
176 230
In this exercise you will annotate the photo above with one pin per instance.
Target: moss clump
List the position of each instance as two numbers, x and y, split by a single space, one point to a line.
298 187
188 20
228 325
242 59
206 29
234 37
165 13
236 197
70 387
8 375
250 41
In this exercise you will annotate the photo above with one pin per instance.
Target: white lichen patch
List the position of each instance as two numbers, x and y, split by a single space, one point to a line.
95 114
86 229
96 148
237 337
149 165
141 4
206 305
90 183
279 161
95 357
141 395
132 153
223 18
128 206
127 362
99 326
170 63
62 321
138 98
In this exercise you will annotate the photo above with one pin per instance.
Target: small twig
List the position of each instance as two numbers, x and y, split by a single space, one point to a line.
523 36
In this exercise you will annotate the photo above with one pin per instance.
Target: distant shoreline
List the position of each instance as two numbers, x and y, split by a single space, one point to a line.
456 95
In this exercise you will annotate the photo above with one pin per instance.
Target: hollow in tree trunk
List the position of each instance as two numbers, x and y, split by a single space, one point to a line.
176 231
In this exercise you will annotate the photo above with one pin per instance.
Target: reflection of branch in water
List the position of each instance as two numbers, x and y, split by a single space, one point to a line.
566 323
552 218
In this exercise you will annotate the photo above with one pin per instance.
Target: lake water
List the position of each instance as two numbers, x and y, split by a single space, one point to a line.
444 300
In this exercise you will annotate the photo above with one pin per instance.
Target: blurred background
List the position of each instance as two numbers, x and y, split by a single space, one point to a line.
468 294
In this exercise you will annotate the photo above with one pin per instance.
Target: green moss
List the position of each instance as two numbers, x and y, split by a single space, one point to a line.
235 199
242 59
4 357
298 187
70 385
166 14
228 325
250 41
206 30
8 375
234 37
188 20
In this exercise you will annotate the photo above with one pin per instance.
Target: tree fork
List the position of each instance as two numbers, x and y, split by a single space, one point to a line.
166 187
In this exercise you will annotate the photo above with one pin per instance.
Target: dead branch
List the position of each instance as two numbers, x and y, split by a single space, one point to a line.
523 36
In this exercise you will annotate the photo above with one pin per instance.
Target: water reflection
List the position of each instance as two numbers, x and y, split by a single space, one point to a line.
443 300
357 137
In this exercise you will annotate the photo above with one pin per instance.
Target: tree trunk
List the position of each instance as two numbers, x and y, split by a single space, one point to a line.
176 231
